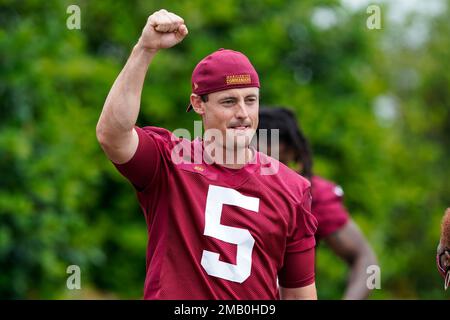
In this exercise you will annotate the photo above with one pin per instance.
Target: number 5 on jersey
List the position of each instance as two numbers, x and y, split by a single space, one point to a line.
217 197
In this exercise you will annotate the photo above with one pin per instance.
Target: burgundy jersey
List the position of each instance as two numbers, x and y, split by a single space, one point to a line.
327 206
219 233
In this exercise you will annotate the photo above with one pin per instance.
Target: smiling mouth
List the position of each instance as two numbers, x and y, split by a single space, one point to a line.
239 127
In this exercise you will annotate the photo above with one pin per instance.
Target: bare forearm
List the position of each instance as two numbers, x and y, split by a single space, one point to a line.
357 288
350 245
121 108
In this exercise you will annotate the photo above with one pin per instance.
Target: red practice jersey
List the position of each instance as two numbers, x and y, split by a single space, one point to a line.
327 207
218 233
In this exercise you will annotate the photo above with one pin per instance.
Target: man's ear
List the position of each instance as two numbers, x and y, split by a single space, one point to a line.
197 104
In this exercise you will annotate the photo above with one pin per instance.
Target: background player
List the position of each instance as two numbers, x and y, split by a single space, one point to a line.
335 226
217 229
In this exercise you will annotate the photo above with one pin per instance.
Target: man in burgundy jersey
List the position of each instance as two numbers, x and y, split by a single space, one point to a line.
224 221
335 226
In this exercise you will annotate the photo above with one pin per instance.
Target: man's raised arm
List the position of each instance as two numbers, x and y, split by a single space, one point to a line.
115 128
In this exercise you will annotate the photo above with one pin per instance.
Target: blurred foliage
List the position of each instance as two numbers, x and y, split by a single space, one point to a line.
375 107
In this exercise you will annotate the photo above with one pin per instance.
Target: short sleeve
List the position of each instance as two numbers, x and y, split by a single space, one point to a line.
305 226
300 247
145 165
328 208
298 270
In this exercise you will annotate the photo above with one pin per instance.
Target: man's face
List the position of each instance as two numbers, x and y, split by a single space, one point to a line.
234 113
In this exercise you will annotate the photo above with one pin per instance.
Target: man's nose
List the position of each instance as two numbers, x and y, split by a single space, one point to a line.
242 110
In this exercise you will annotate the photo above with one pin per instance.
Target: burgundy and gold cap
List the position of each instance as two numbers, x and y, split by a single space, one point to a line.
222 70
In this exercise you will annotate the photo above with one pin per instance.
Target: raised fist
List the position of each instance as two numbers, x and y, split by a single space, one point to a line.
163 30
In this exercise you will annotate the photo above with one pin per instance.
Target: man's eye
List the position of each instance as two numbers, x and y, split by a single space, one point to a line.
251 100
227 102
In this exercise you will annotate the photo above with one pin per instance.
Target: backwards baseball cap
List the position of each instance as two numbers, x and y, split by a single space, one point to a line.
222 70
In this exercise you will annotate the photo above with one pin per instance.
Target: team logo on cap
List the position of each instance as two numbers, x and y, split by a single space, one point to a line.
239 79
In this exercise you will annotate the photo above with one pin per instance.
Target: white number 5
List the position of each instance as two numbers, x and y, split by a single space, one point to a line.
217 197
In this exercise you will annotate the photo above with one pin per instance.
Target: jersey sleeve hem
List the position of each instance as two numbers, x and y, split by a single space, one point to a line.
299 283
